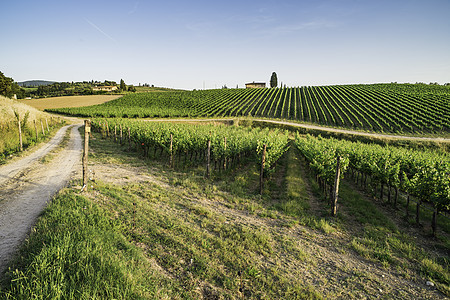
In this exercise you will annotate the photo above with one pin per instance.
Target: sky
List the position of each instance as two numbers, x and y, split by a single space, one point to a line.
200 44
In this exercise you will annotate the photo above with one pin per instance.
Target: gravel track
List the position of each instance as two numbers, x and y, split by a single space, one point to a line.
28 184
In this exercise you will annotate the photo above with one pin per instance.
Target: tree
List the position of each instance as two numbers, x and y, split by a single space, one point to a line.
6 85
273 80
123 87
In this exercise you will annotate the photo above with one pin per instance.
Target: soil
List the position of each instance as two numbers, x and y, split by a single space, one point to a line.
29 183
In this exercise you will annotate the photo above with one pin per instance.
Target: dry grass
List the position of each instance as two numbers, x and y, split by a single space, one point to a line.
69 101
9 135
8 106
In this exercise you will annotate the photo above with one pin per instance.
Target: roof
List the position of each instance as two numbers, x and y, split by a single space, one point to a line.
255 83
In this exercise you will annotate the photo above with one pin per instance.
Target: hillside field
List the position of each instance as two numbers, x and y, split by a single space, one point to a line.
387 108
69 101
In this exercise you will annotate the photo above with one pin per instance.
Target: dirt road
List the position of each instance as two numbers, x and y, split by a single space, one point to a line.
26 185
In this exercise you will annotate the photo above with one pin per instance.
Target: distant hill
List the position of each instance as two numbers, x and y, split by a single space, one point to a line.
35 83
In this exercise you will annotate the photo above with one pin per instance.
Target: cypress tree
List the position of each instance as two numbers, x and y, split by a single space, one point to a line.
273 80
123 87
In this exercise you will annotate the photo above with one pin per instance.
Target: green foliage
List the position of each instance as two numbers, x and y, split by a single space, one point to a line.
194 138
424 174
122 86
273 80
6 85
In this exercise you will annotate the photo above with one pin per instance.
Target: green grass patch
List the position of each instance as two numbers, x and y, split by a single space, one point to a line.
380 240
77 251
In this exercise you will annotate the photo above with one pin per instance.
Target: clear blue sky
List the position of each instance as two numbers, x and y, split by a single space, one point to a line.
195 44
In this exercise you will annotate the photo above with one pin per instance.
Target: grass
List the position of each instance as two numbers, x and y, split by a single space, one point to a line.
172 234
382 241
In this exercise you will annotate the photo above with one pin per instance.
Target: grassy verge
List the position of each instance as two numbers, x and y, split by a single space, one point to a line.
10 110
9 144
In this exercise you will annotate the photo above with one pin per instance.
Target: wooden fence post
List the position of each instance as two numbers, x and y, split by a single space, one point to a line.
87 130
46 122
336 187
35 129
225 156
261 175
171 150
129 139
208 158
419 202
20 136
434 220
42 127
121 134
107 129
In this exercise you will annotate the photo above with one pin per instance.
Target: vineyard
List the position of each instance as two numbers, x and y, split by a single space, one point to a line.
390 108
422 175
227 144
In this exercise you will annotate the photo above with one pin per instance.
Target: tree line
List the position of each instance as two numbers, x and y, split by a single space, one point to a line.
9 88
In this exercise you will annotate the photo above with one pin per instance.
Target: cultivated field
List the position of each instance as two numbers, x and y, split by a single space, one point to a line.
389 108
69 101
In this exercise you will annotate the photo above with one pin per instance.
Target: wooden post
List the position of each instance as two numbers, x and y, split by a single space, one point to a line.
407 206
121 134
336 187
381 191
208 158
102 129
46 122
87 129
434 220
35 128
129 139
107 129
20 135
261 174
42 127
115 133
225 150
418 211
171 149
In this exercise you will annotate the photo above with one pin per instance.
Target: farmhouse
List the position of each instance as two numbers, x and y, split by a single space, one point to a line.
255 85
104 88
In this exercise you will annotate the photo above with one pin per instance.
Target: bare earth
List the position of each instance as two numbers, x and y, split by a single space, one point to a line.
28 184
